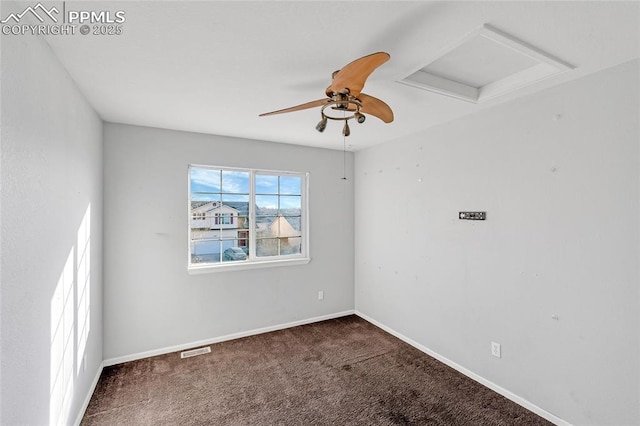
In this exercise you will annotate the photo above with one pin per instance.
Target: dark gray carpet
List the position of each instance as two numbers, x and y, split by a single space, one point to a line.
338 372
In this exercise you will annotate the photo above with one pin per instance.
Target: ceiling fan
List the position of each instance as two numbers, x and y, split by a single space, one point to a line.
344 94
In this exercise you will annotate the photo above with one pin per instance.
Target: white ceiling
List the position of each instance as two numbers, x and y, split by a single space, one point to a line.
212 67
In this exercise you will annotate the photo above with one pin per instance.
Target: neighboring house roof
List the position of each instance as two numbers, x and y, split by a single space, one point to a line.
241 206
280 227
265 221
196 204
210 206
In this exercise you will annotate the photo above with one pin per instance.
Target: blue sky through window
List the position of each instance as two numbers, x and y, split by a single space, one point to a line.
208 184
290 185
270 184
266 184
235 182
233 186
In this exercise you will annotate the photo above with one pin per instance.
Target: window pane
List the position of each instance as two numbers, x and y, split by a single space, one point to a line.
205 251
204 180
290 185
240 206
267 247
281 227
242 223
235 182
263 224
296 224
266 184
200 217
291 202
290 246
267 205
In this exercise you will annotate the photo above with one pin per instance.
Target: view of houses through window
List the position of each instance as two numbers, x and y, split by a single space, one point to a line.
239 215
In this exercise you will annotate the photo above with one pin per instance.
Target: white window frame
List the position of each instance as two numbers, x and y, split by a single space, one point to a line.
253 261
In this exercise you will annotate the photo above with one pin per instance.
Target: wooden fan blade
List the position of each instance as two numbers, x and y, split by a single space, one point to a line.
354 74
307 105
376 107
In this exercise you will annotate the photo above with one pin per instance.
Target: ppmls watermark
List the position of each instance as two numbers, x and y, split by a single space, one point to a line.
59 19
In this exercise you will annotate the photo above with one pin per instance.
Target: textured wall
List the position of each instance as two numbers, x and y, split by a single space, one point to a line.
51 211
557 173
151 302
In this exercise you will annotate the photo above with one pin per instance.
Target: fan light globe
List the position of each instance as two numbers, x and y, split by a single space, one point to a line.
346 131
322 124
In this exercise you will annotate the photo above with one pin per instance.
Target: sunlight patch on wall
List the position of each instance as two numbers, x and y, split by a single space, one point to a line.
70 324
83 307
62 348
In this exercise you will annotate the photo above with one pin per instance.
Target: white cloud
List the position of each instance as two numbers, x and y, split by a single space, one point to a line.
206 177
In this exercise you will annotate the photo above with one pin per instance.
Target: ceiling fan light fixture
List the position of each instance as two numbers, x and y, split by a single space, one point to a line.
360 118
322 124
346 131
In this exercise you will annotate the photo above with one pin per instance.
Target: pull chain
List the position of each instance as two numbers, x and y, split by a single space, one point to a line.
344 152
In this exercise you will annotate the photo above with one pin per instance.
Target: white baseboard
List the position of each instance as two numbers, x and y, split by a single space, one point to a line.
502 391
162 351
92 389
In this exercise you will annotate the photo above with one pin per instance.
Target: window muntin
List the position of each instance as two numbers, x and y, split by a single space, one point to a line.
255 212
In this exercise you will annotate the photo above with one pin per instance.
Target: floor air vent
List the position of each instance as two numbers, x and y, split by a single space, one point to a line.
195 352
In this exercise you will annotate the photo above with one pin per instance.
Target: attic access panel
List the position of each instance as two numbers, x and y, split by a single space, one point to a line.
483 65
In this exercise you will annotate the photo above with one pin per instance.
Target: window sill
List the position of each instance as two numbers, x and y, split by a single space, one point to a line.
240 266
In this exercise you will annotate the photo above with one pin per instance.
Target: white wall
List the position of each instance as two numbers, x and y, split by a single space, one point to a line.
51 167
150 300
558 175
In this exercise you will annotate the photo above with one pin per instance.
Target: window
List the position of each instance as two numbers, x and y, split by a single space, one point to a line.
253 218
243 240
224 219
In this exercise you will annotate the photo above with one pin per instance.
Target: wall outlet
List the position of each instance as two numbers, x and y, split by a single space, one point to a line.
321 295
495 349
